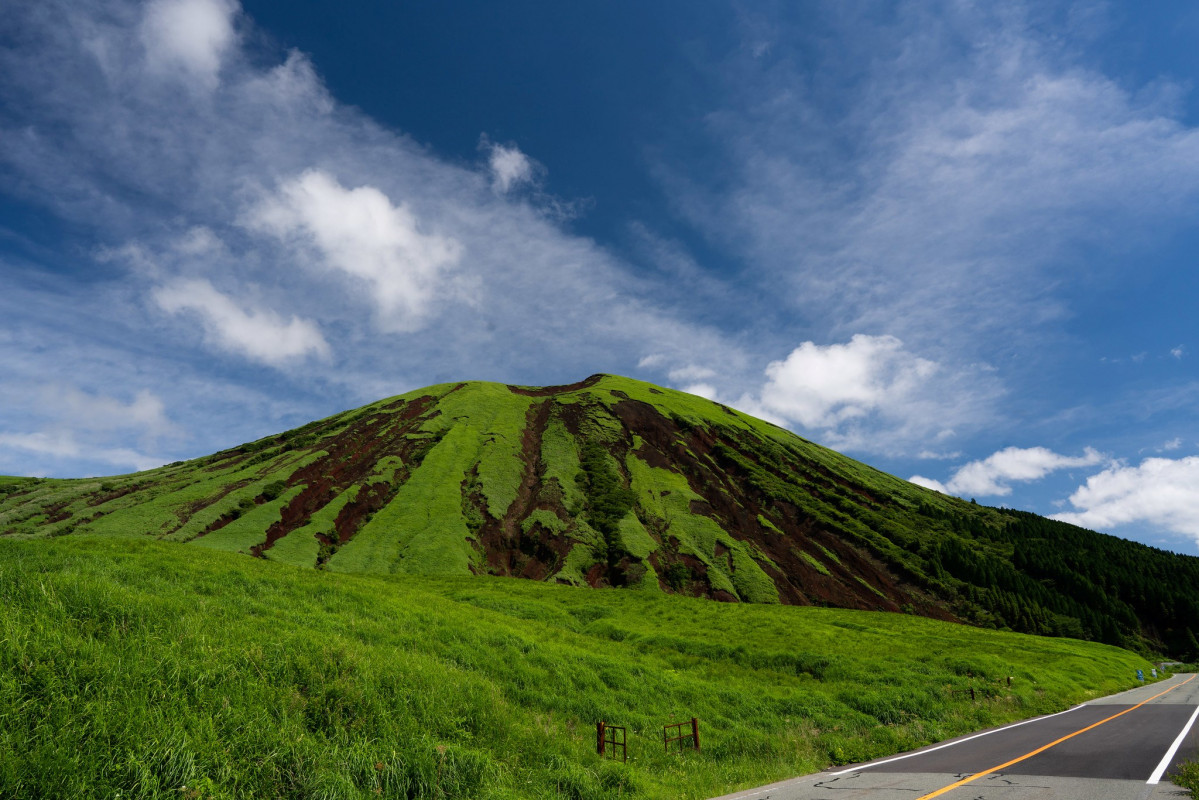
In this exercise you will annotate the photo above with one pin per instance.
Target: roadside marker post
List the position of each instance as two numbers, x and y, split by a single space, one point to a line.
1141 675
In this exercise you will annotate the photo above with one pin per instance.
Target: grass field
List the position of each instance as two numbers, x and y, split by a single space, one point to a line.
143 669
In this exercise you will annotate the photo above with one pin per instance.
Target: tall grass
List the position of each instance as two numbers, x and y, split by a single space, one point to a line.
150 670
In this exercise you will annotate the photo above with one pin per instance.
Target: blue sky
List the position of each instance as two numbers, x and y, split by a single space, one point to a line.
952 240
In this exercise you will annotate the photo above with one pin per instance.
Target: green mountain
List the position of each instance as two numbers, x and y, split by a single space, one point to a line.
615 482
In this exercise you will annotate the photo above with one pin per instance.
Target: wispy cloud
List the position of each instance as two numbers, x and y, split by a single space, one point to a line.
92 370
935 176
87 428
256 333
63 445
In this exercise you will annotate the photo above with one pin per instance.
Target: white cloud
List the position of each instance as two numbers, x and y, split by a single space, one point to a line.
1178 352
359 232
1173 444
1160 492
993 475
869 394
929 483
190 36
823 387
510 167
258 334
704 390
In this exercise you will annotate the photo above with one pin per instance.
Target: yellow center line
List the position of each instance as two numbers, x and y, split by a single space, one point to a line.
1043 748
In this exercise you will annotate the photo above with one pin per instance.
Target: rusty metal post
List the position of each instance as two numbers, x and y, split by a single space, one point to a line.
971 692
599 737
695 731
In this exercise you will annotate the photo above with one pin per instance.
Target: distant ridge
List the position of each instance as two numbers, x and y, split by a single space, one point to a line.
616 482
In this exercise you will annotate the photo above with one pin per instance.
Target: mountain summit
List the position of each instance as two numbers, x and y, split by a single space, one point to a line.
615 482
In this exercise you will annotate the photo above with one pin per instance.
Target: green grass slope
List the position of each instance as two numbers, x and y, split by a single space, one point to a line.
142 669
613 482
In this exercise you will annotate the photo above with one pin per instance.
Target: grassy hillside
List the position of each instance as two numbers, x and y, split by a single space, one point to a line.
615 482
148 670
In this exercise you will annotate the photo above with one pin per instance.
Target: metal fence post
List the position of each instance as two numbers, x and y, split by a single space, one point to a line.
695 731
599 737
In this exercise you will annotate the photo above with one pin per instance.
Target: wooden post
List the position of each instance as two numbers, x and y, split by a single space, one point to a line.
971 692
599 737
695 731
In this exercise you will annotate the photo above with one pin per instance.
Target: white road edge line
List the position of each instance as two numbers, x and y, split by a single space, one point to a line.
955 741
1161 768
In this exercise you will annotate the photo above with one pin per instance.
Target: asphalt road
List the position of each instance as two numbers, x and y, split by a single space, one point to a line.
1114 748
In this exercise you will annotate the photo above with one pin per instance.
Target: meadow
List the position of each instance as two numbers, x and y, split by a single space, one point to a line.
139 669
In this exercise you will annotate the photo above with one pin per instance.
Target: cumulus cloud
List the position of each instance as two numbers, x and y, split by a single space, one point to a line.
1160 492
359 232
993 475
929 483
189 37
869 394
822 387
704 390
259 334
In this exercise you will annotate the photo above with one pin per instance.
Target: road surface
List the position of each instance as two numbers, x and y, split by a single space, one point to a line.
1122 747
